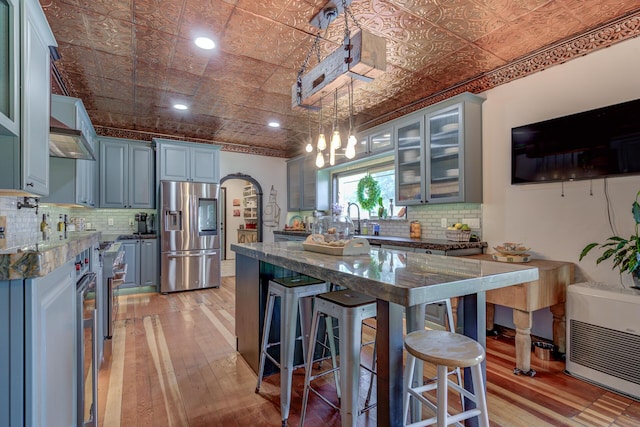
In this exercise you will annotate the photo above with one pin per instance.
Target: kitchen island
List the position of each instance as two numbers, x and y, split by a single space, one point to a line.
397 279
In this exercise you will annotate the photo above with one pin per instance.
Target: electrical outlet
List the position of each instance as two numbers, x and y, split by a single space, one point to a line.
472 222
109 221
443 223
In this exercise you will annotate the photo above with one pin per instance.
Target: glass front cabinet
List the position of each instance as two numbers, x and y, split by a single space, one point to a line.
9 67
373 141
439 153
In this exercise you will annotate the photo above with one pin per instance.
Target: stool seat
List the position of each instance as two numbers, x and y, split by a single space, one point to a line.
444 348
347 298
292 282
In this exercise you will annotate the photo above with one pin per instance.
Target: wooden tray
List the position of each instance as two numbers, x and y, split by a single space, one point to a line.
357 246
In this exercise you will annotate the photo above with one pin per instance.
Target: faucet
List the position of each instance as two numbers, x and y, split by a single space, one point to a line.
349 204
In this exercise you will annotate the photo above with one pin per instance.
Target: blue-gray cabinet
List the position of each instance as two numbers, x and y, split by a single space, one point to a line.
149 262
439 153
183 161
301 183
38 350
141 257
24 133
10 71
126 174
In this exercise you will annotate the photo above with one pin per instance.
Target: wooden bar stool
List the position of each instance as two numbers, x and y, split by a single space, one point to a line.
291 291
445 350
350 308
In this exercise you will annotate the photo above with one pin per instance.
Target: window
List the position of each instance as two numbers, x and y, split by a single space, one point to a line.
346 187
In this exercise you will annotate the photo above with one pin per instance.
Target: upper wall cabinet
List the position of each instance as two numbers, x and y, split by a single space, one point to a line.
10 67
36 90
25 87
126 174
439 153
301 183
182 161
371 142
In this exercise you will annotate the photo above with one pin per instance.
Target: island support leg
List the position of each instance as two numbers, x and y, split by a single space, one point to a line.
389 337
559 327
475 327
523 321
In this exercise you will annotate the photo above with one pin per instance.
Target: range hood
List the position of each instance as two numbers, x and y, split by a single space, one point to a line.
68 143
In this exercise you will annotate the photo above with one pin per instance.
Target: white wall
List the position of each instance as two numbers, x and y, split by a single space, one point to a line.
557 227
267 171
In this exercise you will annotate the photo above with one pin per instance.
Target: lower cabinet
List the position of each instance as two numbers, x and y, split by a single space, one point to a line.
141 257
148 262
38 350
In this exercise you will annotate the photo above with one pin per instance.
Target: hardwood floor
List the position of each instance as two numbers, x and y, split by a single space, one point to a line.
174 364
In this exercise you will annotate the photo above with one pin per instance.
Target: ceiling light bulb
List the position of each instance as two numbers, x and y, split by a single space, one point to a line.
350 152
319 160
309 147
274 124
180 107
332 156
352 140
322 143
336 142
204 43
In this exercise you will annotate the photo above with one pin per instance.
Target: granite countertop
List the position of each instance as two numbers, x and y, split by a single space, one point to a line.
112 237
41 259
433 244
405 278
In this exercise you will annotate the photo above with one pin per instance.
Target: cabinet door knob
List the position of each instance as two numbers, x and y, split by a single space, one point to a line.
29 184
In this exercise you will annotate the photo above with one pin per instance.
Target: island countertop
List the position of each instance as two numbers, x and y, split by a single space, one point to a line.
429 244
396 278
404 278
41 259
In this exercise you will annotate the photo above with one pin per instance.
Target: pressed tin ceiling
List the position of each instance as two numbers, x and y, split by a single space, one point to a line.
131 60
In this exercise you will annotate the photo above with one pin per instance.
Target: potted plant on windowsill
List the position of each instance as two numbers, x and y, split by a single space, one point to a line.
625 252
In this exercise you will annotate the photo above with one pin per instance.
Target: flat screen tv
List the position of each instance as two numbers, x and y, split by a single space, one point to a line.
598 143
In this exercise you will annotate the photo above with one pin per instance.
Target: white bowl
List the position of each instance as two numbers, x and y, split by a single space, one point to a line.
449 127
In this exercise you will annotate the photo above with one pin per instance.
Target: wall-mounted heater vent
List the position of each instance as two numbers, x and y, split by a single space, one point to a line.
603 336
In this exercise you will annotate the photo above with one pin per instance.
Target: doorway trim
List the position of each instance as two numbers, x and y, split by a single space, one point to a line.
256 184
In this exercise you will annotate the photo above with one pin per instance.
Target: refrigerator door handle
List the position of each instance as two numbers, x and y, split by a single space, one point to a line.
191 255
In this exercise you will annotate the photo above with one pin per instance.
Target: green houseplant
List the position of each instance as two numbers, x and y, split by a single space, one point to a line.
625 252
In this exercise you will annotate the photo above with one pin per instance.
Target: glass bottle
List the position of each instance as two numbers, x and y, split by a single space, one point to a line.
390 208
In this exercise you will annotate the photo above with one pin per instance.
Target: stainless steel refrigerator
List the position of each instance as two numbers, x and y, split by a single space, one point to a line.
189 239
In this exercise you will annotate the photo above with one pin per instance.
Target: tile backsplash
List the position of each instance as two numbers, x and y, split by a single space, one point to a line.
23 225
429 216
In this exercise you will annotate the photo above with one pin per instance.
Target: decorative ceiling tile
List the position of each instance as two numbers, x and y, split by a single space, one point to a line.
531 32
153 46
161 15
130 60
205 18
466 19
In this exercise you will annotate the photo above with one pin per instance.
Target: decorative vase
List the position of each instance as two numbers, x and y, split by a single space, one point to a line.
636 278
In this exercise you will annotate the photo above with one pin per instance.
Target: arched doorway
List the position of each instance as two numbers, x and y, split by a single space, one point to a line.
258 190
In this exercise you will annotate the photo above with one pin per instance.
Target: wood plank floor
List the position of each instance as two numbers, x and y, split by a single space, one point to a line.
174 364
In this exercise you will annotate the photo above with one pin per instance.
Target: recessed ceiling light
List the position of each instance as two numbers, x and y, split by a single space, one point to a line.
204 43
274 124
180 107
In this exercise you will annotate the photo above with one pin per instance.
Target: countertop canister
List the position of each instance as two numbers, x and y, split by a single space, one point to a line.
414 230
